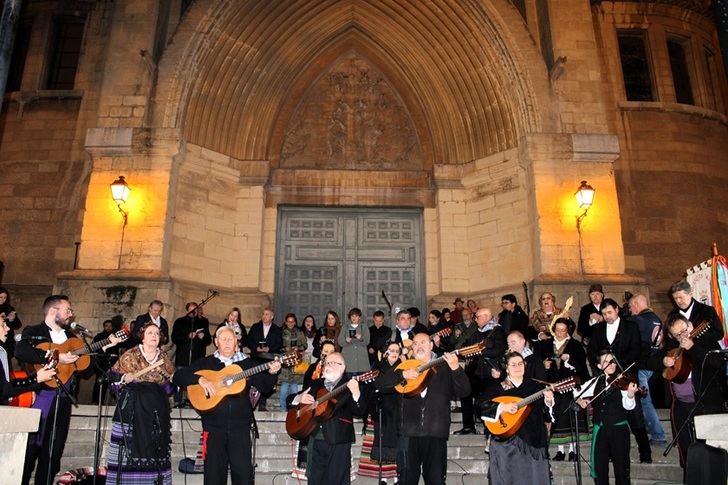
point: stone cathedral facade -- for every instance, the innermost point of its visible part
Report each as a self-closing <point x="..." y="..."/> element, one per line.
<point x="310" y="154"/>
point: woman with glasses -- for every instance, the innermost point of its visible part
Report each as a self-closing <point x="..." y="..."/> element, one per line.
<point x="522" y="458"/>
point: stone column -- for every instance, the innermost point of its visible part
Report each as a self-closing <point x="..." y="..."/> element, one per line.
<point x="15" y="424"/>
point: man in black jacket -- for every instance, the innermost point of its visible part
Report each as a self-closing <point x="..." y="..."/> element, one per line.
<point x="379" y="335"/>
<point x="265" y="337"/>
<point x="154" y="314"/>
<point x="591" y="313"/>
<point x="622" y="339"/>
<point x="191" y="336"/>
<point x="425" y="418"/>
<point x="227" y="427"/>
<point x="690" y="308"/>
<point x="329" y="446"/>
<point x="512" y="317"/>
<point x="53" y="329"/>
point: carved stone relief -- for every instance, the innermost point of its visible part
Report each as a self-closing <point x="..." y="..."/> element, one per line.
<point x="351" y="118"/>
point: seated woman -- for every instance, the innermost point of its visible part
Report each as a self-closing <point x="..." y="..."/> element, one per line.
<point x="140" y="430"/>
<point x="10" y="387"/>
<point x="522" y="458"/>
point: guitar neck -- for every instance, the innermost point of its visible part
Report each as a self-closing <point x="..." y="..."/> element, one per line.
<point x="528" y="400"/>
<point x="338" y="390"/>
<point x="251" y="372"/>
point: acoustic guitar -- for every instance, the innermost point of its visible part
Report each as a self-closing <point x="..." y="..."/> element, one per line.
<point x="26" y="399"/>
<point x="679" y="372"/>
<point x="76" y="346"/>
<point x="412" y="387"/>
<point x="228" y="381"/>
<point x="506" y="425"/>
<point x="302" y="420"/>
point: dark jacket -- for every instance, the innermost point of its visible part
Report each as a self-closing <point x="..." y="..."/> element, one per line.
<point x="495" y="348"/>
<point x="25" y="350"/>
<point x="582" y="325"/>
<point x="577" y="360"/>
<point x="235" y="411"/>
<point x="142" y="320"/>
<point x="701" y="313"/>
<point x="608" y="408"/>
<point x="339" y="428"/>
<point x="515" y="320"/>
<point x="14" y="387"/>
<point x="627" y="346"/>
<point x="378" y="340"/>
<point x="705" y="365"/>
<point x="646" y="322"/>
<point x="428" y="416"/>
<point x="274" y="340"/>
<point x="180" y="336"/>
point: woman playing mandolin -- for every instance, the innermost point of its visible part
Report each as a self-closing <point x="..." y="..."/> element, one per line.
<point x="523" y="457"/>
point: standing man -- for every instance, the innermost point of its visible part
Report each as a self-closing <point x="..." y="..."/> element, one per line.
<point x="622" y="339"/>
<point x="154" y="314"/>
<point x="404" y="332"/>
<point x="265" y="337"/>
<point x="379" y="335"/>
<point x="424" y="421"/>
<point x="690" y="308"/>
<point x="649" y="326"/>
<point x="329" y="446"/>
<point x="104" y="362"/>
<point x="54" y="330"/>
<point x="512" y="317"/>
<point x="480" y="370"/>
<point x="591" y="313"/>
<point x="227" y="427"/>
<point x="191" y="336"/>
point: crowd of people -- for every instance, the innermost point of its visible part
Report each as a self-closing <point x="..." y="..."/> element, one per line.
<point x="614" y="352"/>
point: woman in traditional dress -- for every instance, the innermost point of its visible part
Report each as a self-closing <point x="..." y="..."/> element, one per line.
<point x="522" y="458"/>
<point x="383" y="446"/>
<point x="567" y="360"/>
<point x="140" y="433"/>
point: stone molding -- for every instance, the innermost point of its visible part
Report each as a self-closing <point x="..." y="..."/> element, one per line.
<point x="594" y="147"/>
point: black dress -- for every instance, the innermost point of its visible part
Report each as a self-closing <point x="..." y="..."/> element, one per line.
<point x="522" y="458"/>
<point x="577" y="367"/>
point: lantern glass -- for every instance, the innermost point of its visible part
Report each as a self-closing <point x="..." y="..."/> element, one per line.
<point x="120" y="190"/>
<point x="585" y="195"/>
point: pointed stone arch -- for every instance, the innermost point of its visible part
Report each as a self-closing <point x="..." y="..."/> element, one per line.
<point x="474" y="86"/>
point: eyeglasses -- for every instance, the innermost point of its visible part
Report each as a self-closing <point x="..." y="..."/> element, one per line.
<point x="67" y="310"/>
<point x="330" y="363"/>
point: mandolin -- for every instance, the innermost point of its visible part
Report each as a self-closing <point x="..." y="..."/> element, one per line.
<point x="228" y="381"/>
<point x="76" y="346"/>
<point x="679" y="372"/>
<point x="302" y="420"/>
<point x="412" y="387"/>
<point x="506" y="425"/>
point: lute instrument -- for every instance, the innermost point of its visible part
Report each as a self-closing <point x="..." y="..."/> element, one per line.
<point x="139" y="373"/>
<point x="679" y="372"/>
<point x="506" y="425"/>
<point x="302" y="420"/>
<point x="78" y="347"/>
<point x="561" y="314"/>
<point x="228" y="381"/>
<point x="412" y="387"/>
<point x="407" y="343"/>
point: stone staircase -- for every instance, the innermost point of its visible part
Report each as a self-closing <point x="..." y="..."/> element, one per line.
<point x="467" y="463"/>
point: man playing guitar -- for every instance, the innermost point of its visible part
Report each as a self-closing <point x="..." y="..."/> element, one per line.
<point x="54" y="331"/>
<point x="226" y="436"/>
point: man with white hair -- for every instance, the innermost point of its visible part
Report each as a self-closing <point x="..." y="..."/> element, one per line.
<point x="227" y="442"/>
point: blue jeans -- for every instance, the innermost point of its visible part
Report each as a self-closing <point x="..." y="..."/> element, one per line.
<point x="652" y="421"/>
<point x="286" y="389"/>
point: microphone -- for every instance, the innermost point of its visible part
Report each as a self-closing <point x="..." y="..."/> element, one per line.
<point x="80" y="329"/>
<point x="19" y="337"/>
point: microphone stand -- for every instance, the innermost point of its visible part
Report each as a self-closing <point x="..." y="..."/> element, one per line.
<point x="573" y="410"/>
<point x="380" y="431"/>
<point x="255" y="435"/>
<point x="103" y="396"/>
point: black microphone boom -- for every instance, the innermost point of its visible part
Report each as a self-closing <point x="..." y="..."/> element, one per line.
<point x="80" y="328"/>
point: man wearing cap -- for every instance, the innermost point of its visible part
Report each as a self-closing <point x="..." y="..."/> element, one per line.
<point x="591" y="313"/>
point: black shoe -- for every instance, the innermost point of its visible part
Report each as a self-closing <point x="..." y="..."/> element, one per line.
<point x="572" y="456"/>
<point x="465" y="431"/>
<point x="262" y="407"/>
<point x="559" y="456"/>
<point x="646" y="459"/>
